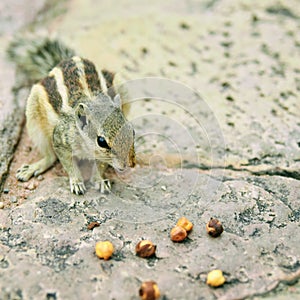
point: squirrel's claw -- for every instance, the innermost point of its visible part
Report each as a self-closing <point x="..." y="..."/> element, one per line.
<point x="103" y="185"/>
<point x="77" y="188"/>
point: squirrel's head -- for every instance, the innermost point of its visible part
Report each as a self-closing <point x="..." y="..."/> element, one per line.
<point x="107" y="135"/>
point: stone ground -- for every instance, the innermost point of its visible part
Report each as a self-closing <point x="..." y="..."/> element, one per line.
<point x="214" y="88"/>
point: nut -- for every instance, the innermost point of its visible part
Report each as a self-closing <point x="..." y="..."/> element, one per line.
<point x="92" y="225"/>
<point x="185" y="223"/>
<point x="145" y="248"/>
<point x="178" y="234"/>
<point x="214" y="227"/>
<point x="215" y="278"/>
<point x="149" y="291"/>
<point x="104" y="249"/>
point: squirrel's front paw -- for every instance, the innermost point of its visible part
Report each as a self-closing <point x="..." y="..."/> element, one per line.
<point x="103" y="185"/>
<point x="77" y="187"/>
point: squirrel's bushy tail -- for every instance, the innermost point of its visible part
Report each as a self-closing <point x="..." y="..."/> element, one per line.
<point x="36" y="57"/>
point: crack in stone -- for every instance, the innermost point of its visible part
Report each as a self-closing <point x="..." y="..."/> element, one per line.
<point x="277" y="171"/>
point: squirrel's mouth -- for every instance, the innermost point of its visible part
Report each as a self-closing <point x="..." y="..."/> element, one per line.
<point x="123" y="165"/>
<point x="119" y="167"/>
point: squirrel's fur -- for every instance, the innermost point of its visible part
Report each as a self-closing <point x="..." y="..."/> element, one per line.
<point x="74" y="111"/>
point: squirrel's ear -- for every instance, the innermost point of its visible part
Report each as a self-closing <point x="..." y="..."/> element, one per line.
<point x="117" y="101"/>
<point x="81" y="115"/>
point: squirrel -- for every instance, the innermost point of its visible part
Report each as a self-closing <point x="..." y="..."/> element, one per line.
<point x="75" y="111"/>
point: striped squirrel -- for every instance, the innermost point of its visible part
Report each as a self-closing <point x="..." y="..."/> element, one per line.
<point x="73" y="112"/>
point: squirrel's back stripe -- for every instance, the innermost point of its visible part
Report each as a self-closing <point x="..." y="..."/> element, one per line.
<point x="82" y="76"/>
<point x="54" y="97"/>
<point x="92" y="77"/>
<point x="61" y="87"/>
<point x="103" y="83"/>
<point x="75" y="79"/>
<point x="72" y="81"/>
<point x="109" y="78"/>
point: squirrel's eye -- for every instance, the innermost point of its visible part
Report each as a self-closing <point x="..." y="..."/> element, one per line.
<point x="102" y="142"/>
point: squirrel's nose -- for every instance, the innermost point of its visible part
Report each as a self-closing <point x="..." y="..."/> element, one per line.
<point x="120" y="166"/>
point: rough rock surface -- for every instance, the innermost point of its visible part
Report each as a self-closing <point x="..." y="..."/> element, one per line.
<point x="46" y="242"/>
<point x="231" y="153"/>
<point x="14" y="16"/>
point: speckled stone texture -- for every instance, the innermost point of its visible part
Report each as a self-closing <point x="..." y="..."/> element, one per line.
<point x="14" y="16"/>
<point x="220" y="137"/>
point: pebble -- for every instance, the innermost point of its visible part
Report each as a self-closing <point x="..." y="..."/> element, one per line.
<point x="1" y="205"/>
<point x="13" y="199"/>
<point x="163" y="187"/>
<point x="40" y="178"/>
<point x="24" y="196"/>
<point x="31" y="185"/>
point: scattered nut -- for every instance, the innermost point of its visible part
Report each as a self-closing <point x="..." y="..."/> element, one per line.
<point x="215" y="278"/>
<point x="92" y="225"/>
<point x="31" y="185"/>
<point x="214" y="227"/>
<point x="145" y="248"/>
<point x="13" y="199"/>
<point x="149" y="291"/>
<point x="185" y="223"/>
<point x="178" y="234"/>
<point x="104" y="249"/>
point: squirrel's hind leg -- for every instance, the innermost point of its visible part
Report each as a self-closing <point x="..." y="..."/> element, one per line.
<point x="40" y="123"/>
<point x="27" y="171"/>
